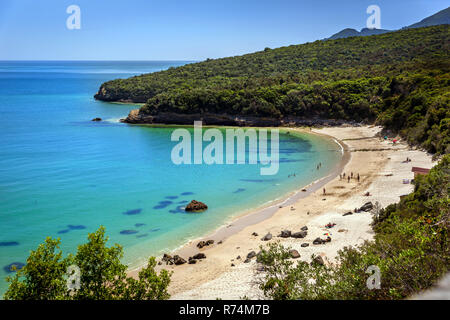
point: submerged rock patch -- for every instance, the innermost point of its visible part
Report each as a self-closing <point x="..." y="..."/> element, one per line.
<point x="76" y="227"/>
<point x="9" y="243"/>
<point x="178" y="209"/>
<point x="142" y="235"/>
<point x="163" y="204"/>
<point x="128" y="232"/>
<point x="13" y="267"/>
<point x="132" y="212"/>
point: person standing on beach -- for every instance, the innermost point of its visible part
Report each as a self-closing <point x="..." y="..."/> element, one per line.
<point x="348" y="179"/>
<point x="324" y="191"/>
<point x="358" y="177"/>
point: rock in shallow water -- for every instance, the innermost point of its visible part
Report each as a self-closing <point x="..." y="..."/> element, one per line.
<point x="196" y="206"/>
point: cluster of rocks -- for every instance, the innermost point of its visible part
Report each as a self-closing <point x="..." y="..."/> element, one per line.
<point x="169" y="260"/>
<point x="198" y="256"/>
<point x="177" y="260"/>
<point x="289" y="234"/>
<point x="196" y="206"/>
<point x="96" y="119"/>
<point x="202" y="243"/>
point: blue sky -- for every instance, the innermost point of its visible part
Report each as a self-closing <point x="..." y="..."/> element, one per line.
<point x="184" y="30"/>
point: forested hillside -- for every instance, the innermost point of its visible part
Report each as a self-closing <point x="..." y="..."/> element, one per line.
<point x="399" y="79"/>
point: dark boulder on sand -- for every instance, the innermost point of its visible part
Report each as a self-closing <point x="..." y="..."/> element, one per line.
<point x="285" y="234"/>
<point x="366" y="207"/>
<point x="294" y="254"/>
<point x="178" y="260"/>
<point x="267" y="237"/>
<point x="299" y="235"/>
<point x="196" y="206"/>
<point x="202" y="243"/>
<point x="317" y="241"/>
<point x="317" y="260"/>
<point x="199" y="256"/>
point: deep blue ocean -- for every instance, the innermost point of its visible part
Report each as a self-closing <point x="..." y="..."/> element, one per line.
<point x="62" y="175"/>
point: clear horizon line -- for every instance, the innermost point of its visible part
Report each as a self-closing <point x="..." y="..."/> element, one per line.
<point x="87" y="60"/>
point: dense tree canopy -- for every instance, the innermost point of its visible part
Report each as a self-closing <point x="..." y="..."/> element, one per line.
<point x="400" y="79"/>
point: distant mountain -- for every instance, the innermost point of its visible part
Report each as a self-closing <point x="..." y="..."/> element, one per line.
<point x="355" y="33"/>
<point x="442" y="17"/>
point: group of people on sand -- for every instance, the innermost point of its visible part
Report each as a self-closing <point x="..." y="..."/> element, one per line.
<point x="350" y="176"/>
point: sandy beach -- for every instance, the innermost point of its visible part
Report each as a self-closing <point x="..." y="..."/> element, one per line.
<point x="382" y="169"/>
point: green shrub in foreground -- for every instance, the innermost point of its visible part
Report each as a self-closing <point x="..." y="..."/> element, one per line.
<point x="102" y="275"/>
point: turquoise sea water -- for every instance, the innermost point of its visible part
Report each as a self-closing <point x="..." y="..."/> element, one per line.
<point x="62" y="175"/>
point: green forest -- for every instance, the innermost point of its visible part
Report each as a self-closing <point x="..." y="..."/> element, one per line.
<point x="399" y="80"/>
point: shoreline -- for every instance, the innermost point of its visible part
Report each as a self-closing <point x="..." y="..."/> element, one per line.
<point x="223" y="274"/>
<point x="252" y="216"/>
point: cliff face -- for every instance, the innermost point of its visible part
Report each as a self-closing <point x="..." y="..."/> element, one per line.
<point x="110" y="94"/>
<point x="138" y="117"/>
